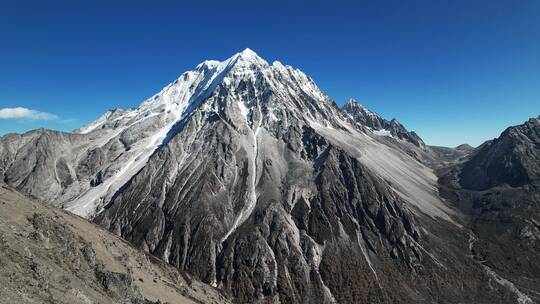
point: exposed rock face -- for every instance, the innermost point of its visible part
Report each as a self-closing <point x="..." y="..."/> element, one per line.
<point x="49" y="256"/>
<point x="36" y="163"/>
<point x="247" y="176"/>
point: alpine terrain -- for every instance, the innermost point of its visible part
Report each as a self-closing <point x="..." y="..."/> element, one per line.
<point x="50" y="256"/>
<point x="246" y="176"/>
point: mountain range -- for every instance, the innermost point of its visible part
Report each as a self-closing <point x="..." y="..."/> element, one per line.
<point x="248" y="177"/>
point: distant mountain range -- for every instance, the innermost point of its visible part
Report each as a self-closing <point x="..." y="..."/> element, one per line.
<point x="247" y="176"/>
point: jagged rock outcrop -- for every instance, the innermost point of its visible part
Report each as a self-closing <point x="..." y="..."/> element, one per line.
<point x="395" y="134"/>
<point x="381" y="126"/>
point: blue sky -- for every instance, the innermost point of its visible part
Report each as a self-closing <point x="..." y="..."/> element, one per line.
<point x="454" y="71"/>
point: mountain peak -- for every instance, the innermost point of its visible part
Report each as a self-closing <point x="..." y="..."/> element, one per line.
<point x="245" y="56"/>
<point x="249" y="53"/>
<point x="238" y="152"/>
<point x="365" y="117"/>
<point x="248" y="56"/>
<point x="354" y="104"/>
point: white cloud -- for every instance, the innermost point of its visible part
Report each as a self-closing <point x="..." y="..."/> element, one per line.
<point x="24" y="113"/>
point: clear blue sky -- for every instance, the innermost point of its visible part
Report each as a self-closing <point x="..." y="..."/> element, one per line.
<point x="454" y="71"/>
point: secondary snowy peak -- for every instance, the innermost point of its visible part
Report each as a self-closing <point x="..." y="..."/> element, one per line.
<point x="362" y="115"/>
<point x="379" y="125"/>
<point x="354" y="106"/>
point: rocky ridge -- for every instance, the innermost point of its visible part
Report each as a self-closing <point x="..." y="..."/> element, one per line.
<point x="50" y="256"/>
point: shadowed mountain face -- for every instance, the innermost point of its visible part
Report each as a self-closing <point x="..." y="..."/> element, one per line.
<point x="247" y="176"/>
<point x="512" y="159"/>
<point x="498" y="188"/>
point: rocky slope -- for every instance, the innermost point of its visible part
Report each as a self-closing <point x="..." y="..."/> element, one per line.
<point x="247" y="176"/>
<point x="50" y="256"/>
<point x="498" y="188"/>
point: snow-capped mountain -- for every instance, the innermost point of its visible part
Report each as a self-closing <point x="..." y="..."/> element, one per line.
<point x="249" y="177"/>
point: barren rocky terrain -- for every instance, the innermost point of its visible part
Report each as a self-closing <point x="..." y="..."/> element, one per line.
<point x="51" y="256"/>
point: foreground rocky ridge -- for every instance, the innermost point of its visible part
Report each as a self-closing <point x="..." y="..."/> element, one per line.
<point x="50" y="256"/>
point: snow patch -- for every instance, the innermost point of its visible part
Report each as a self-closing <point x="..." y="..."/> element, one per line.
<point x="382" y="132"/>
<point x="252" y="198"/>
